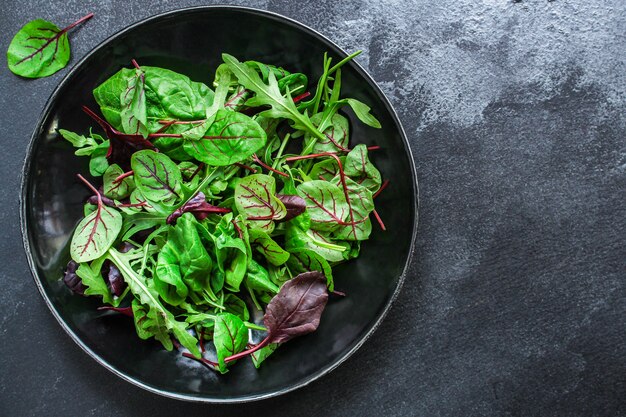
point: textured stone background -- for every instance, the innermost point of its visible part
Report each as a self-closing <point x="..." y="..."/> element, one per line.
<point x="516" y="301"/>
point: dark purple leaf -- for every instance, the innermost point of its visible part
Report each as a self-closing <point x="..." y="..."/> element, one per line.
<point x="297" y="308"/>
<point x="113" y="278"/>
<point x="72" y="280"/>
<point x="121" y="145"/>
<point x="198" y="206"/>
<point x="294" y="204"/>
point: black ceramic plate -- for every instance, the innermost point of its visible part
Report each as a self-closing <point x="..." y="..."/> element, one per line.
<point x="191" y="41"/>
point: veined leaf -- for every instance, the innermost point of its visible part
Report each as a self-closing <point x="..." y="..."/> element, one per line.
<point x="359" y="168"/>
<point x="359" y="225"/>
<point x="95" y="234"/>
<point x="306" y="260"/>
<point x="113" y="189"/>
<point x="262" y="354"/>
<point x="297" y="308"/>
<point x="133" y="114"/>
<point x="230" y="336"/>
<point x="255" y="198"/>
<point x="325" y="203"/>
<point x="265" y="245"/>
<point x="157" y="176"/>
<point x="40" y="48"/>
<point x="336" y="134"/>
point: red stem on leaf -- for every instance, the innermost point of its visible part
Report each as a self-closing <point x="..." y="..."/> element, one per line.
<point x="379" y="220"/>
<point x="249" y="168"/>
<point x="269" y="168"/>
<point x="181" y="122"/>
<point x="342" y="176"/>
<point x="78" y="22"/>
<point x="122" y="176"/>
<point x="93" y="189"/>
<point x="237" y="228"/>
<point x="135" y="64"/>
<point x="301" y="96"/>
<point x="127" y="311"/>
<point x="200" y="166"/>
<point x="247" y="352"/>
<point x="318" y="155"/>
<point x="382" y="187"/>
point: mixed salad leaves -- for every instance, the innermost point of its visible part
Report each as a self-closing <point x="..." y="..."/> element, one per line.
<point x="212" y="204"/>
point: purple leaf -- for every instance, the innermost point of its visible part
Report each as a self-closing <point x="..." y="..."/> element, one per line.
<point x="198" y="206"/>
<point x="72" y="280"/>
<point x="294" y="204"/>
<point x="297" y="308"/>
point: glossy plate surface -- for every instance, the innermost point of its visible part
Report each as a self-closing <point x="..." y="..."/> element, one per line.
<point x="191" y="41"/>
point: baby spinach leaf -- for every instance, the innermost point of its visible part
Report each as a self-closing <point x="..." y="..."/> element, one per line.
<point x="231" y="253"/>
<point x="236" y="306"/>
<point x="183" y="263"/>
<point x="230" y="336"/>
<point x="133" y="113"/>
<point x="325" y="203"/>
<point x="267" y="247"/>
<point x="40" y="48"/>
<point x="157" y="176"/>
<point x="297" y="308"/>
<point x="113" y="189"/>
<point x="169" y="95"/>
<point x="255" y="198"/>
<point x="359" y="168"/>
<point x="231" y="138"/>
<point x="257" y="278"/>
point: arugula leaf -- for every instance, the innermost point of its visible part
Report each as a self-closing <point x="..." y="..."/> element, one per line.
<point x="362" y="111"/>
<point x="144" y="290"/>
<point x="40" y="48"/>
<point x="269" y="94"/>
<point x="91" y="277"/>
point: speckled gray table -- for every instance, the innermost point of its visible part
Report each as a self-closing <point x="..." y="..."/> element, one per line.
<point x="516" y="301"/>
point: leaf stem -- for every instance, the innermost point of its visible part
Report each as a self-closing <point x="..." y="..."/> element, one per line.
<point x="203" y="361"/>
<point x="318" y="155"/>
<point x="382" y="187"/>
<point x="93" y="189"/>
<point x="281" y="150"/>
<point x="254" y="326"/>
<point x="250" y="351"/>
<point x="122" y="176"/>
<point x="269" y="168"/>
<point x="78" y="22"/>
